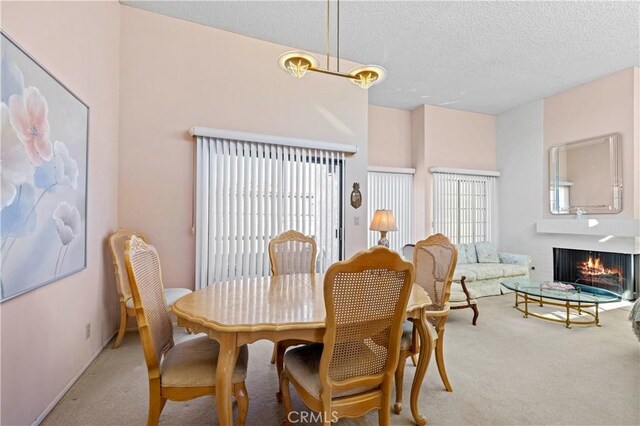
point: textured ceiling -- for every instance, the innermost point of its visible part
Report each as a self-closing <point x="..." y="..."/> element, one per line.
<point x="477" y="56"/>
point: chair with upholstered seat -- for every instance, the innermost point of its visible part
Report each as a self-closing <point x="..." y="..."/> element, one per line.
<point x="351" y="372"/>
<point x="290" y="253"/>
<point x="176" y="372"/>
<point x="117" y="244"/>
<point x="461" y="296"/>
<point x="434" y="260"/>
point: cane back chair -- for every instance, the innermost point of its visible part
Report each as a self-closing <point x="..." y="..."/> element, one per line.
<point x="351" y="372"/>
<point x="117" y="245"/>
<point x="290" y="253"/>
<point x="176" y="372"/>
<point x="435" y="261"/>
<point x="461" y="296"/>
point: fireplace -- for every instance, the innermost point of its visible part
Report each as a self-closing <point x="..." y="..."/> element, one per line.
<point x="610" y="271"/>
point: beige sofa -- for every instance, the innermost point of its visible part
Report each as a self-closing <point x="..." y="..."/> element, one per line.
<point x="484" y="268"/>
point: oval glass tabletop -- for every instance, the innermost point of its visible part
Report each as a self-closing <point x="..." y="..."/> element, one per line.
<point x="577" y="292"/>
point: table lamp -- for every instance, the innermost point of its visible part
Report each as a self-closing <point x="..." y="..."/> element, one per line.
<point x="384" y="222"/>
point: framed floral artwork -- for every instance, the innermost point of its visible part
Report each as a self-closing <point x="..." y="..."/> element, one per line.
<point x="43" y="175"/>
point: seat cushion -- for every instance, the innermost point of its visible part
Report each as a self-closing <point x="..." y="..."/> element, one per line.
<point x="514" y="270"/>
<point x="174" y="293"/>
<point x="193" y="363"/>
<point x="303" y="364"/>
<point x="487" y="271"/>
<point x="407" y="330"/>
<point x="171" y="294"/>
<point x="462" y="271"/>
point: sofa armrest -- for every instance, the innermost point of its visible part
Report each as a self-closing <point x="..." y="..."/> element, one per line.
<point x="515" y="259"/>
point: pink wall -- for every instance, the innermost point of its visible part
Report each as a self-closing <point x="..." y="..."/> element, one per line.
<point x="176" y="74"/>
<point x="419" y="161"/>
<point x="43" y="331"/>
<point x="430" y="136"/>
<point x="451" y="138"/>
<point x="636" y="144"/>
<point x="603" y="106"/>
<point x="389" y="137"/>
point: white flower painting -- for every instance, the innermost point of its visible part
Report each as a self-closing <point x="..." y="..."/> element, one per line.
<point x="43" y="175"/>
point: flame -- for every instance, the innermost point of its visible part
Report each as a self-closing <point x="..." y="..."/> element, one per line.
<point x="593" y="266"/>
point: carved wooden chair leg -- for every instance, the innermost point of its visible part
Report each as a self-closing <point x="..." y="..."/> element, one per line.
<point x="286" y="396"/>
<point x="475" y="313"/>
<point x="123" y="326"/>
<point x="326" y="409"/>
<point x="384" y="414"/>
<point x="156" y="402"/>
<point x="440" y="358"/>
<point x="397" y="407"/>
<point x="280" y="350"/>
<point x="240" y="391"/>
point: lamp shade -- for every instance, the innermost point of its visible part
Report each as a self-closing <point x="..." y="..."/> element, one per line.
<point x="383" y="220"/>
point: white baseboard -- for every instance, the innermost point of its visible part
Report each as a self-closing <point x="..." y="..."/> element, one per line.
<point x="73" y="380"/>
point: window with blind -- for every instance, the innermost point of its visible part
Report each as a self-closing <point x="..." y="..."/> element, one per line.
<point x="248" y="193"/>
<point x="464" y="205"/>
<point x="391" y="189"/>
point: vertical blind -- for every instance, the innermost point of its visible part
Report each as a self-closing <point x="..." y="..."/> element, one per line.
<point x="392" y="191"/>
<point x="247" y="193"/>
<point x="464" y="206"/>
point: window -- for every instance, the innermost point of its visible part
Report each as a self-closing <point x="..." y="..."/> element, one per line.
<point x="464" y="204"/>
<point x="392" y="189"/>
<point x="248" y="193"/>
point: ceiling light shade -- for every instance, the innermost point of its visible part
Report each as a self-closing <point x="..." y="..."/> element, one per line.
<point x="297" y="63"/>
<point x="367" y="76"/>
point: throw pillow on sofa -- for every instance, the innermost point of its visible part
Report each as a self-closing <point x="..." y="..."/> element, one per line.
<point x="487" y="252"/>
<point x="462" y="255"/>
<point x="470" y="252"/>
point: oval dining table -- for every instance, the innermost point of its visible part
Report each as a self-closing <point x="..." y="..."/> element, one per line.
<point x="276" y="308"/>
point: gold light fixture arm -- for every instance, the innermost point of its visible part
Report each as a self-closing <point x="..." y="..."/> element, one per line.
<point x="298" y="63"/>
<point x="328" y="31"/>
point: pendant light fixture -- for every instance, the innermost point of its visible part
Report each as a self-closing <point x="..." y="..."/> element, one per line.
<point x="298" y="63"/>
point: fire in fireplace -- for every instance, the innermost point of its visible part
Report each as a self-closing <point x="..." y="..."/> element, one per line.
<point x="610" y="271"/>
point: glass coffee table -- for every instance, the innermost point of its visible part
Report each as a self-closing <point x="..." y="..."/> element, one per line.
<point x="576" y="298"/>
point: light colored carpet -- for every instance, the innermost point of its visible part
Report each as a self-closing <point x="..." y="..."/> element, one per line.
<point x="505" y="371"/>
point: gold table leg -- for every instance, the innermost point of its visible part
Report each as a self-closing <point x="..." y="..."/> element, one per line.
<point x="526" y="306"/>
<point x="568" y="319"/>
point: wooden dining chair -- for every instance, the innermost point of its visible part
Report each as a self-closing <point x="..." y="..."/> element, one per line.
<point x="117" y="245"/>
<point x="290" y="253"/>
<point x="435" y="261"/>
<point x="176" y="372"/>
<point x="461" y="296"/>
<point x="351" y="372"/>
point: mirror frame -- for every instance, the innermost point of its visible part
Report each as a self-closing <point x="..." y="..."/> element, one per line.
<point x="615" y="176"/>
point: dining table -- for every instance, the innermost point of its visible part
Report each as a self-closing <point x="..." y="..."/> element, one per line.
<point x="276" y="308"/>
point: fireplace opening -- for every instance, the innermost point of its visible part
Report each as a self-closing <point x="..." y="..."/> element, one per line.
<point x="609" y="271"/>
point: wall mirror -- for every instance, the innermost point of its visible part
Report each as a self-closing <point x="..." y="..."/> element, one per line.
<point x="585" y="177"/>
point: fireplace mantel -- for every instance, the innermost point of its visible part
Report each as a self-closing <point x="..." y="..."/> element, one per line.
<point x="602" y="227"/>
